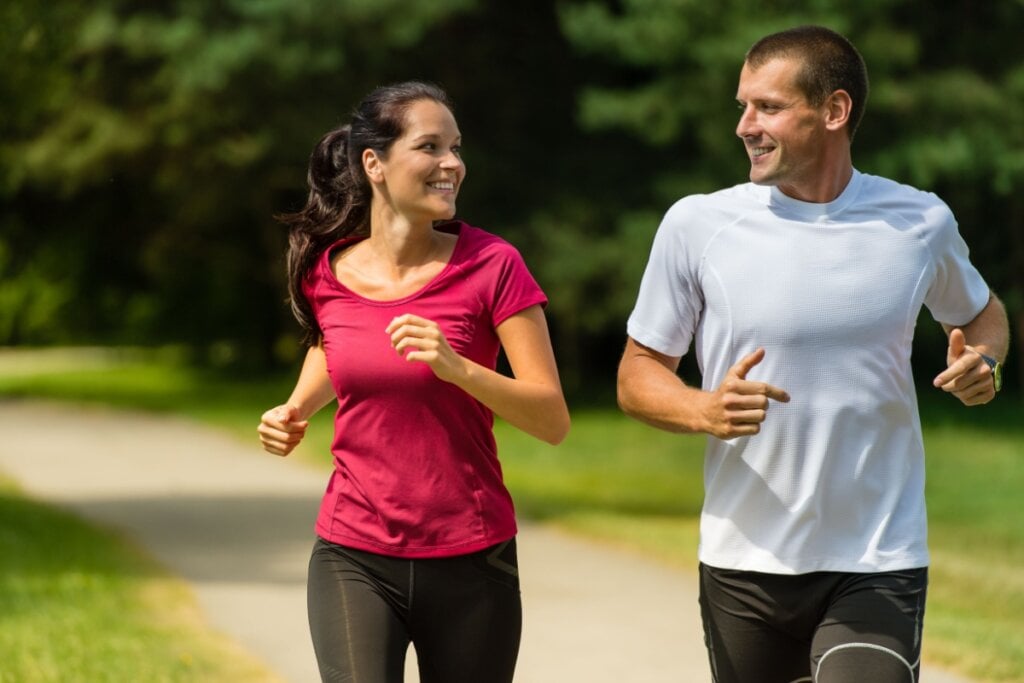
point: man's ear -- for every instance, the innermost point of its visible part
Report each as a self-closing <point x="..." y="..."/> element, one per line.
<point x="838" y="106"/>
<point x="372" y="166"/>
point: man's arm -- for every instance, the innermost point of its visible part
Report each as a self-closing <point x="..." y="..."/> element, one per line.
<point x="650" y="391"/>
<point x="967" y="376"/>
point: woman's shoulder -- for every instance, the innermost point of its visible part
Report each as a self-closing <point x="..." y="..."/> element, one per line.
<point x="321" y="268"/>
<point x="477" y="242"/>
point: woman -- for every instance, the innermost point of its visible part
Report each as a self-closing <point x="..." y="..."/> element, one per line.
<point x="405" y="311"/>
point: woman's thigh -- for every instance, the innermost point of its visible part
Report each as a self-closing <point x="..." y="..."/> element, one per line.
<point x="356" y="615"/>
<point x="467" y="617"/>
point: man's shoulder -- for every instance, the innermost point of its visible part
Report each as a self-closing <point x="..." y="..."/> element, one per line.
<point x="746" y="193"/>
<point x="733" y="200"/>
<point x="903" y="206"/>
<point x="889" y="191"/>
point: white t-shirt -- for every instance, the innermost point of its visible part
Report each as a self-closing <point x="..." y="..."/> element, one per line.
<point x="835" y="479"/>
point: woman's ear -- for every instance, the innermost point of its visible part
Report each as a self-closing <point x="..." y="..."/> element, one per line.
<point x="372" y="166"/>
<point x="837" y="109"/>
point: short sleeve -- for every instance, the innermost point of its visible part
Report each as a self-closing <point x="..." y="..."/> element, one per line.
<point x="958" y="292"/>
<point x="669" y="303"/>
<point x="515" y="288"/>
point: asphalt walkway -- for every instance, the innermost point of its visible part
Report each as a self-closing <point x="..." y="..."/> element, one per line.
<point x="237" y="524"/>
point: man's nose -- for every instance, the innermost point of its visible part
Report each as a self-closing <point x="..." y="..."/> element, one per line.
<point x="747" y="125"/>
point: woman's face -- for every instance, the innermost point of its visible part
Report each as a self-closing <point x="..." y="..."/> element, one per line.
<point x="421" y="173"/>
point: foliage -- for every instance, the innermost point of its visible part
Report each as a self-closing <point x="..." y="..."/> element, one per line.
<point x="152" y="146"/>
<point x="145" y="147"/>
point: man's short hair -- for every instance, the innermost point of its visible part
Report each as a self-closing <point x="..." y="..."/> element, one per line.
<point x="830" y="63"/>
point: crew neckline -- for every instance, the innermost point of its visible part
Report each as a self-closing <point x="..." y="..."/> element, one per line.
<point x="813" y="211"/>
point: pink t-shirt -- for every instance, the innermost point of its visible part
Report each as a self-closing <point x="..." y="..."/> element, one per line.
<point x="416" y="470"/>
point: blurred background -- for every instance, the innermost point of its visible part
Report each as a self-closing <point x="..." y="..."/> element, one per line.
<point x="145" y="147"/>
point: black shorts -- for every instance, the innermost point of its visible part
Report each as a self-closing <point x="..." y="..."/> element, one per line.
<point x="462" y="614"/>
<point x="823" y="627"/>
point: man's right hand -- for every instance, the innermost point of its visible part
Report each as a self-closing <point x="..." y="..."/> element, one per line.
<point x="739" y="406"/>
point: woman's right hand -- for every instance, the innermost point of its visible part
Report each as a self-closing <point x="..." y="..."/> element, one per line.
<point x="280" y="429"/>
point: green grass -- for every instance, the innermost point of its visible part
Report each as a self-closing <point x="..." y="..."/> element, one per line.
<point x="79" y="604"/>
<point x="633" y="486"/>
<point x="141" y="380"/>
<point x="976" y="519"/>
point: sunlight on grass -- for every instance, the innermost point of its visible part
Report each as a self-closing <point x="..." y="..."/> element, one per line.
<point x="607" y="463"/>
<point x="79" y="604"/>
<point x="974" y="612"/>
<point x="670" y="540"/>
<point x="975" y="616"/>
<point x="138" y="380"/>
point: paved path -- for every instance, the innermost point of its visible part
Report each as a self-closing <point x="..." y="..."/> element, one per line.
<point x="237" y="524"/>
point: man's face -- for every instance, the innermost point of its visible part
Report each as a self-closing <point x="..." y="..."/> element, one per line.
<point x="782" y="132"/>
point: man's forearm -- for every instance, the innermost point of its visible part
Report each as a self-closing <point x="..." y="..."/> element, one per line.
<point x="989" y="332"/>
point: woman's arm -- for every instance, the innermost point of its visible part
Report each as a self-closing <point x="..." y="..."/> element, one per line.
<point x="282" y="427"/>
<point x="530" y="400"/>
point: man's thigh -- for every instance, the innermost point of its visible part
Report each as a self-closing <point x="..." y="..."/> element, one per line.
<point x="872" y="629"/>
<point x="749" y="639"/>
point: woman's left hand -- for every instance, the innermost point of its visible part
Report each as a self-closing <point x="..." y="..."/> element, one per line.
<point x="419" y="339"/>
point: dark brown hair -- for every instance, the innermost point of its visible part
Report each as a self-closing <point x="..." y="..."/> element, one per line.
<point x="830" y="63"/>
<point x="339" y="193"/>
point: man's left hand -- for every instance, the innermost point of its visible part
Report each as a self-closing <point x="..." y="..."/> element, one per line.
<point x="968" y="376"/>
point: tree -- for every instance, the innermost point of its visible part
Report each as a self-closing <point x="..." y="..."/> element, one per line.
<point x="157" y="142"/>
<point x="153" y="143"/>
<point x="145" y="147"/>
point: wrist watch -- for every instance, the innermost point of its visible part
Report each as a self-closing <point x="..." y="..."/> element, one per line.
<point x="997" y="370"/>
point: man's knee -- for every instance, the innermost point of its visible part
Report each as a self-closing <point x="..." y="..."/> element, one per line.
<point x="858" y="662"/>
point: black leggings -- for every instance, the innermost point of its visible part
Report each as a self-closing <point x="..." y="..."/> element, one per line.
<point x="463" y="615"/>
<point x="824" y="627"/>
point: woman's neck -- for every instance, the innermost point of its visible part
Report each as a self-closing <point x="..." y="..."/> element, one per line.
<point x="398" y="247"/>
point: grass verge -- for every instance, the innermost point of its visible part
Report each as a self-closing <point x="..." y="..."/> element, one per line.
<point x="79" y="604"/>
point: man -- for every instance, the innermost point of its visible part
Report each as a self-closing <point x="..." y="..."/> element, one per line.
<point x="800" y="291"/>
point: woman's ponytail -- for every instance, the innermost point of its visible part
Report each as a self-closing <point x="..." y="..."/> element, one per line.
<point x="335" y="208"/>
